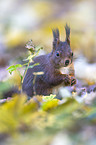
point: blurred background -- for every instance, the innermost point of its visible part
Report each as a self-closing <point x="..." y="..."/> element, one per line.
<point x="22" y="20"/>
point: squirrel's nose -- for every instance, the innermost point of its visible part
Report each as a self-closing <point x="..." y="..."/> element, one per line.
<point x="66" y="62"/>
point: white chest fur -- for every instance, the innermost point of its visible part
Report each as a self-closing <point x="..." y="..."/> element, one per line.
<point x="64" y="70"/>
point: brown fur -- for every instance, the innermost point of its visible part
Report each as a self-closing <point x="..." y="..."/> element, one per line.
<point x="50" y="64"/>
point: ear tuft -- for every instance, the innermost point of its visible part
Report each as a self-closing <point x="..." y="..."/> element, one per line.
<point x="67" y="29"/>
<point x="56" y="34"/>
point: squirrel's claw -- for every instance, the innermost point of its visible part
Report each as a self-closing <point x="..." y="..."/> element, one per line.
<point x="73" y="81"/>
<point x="67" y="80"/>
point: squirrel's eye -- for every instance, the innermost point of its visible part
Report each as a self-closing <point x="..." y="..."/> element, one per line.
<point x="57" y="54"/>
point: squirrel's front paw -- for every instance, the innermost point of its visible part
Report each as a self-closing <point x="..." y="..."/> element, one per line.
<point x="73" y="81"/>
<point x="67" y="80"/>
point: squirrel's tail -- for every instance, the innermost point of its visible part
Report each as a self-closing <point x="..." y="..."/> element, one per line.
<point x="11" y="92"/>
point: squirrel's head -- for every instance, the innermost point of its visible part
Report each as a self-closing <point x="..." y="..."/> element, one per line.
<point x="62" y="55"/>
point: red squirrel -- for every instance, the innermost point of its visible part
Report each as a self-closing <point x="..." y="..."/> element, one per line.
<point x="50" y="64"/>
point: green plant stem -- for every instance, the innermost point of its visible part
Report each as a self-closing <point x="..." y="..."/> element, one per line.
<point x="25" y="71"/>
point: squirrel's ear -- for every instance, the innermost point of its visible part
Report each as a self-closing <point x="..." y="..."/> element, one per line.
<point x="56" y="35"/>
<point x="67" y="29"/>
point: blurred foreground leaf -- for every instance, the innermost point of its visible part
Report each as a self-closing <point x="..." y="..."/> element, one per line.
<point x="41" y="121"/>
<point x="12" y="113"/>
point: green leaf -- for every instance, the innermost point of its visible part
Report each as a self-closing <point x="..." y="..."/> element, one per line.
<point x="13" y="68"/>
<point x="31" y="66"/>
<point x="18" y="65"/>
<point x="38" y="48"/>
<point x="29" y="57"/>
<point x="50" y="102"/>
<point x="48" y="98"/>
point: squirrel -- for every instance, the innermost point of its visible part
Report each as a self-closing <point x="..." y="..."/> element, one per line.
<point x="50" y="64"/>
